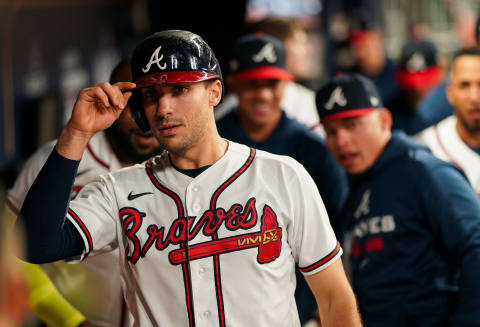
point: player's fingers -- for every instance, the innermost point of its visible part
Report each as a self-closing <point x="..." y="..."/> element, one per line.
<point x="114" y="94"/>
<point x="125" y="86"/>
<point x="96" y="95"/>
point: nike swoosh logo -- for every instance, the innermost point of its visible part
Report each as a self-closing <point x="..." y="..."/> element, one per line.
<point x="134" y="196"/>
<point x="83" y="172"/>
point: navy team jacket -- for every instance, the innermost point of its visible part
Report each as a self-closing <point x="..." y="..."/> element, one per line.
<point x="415" y="223"/>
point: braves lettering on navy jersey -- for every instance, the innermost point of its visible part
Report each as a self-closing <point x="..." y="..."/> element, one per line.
<point x="398" y="231"/>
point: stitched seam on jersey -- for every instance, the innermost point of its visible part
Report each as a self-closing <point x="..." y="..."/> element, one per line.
<point x="322" y="261"/>
<point x="216" y="258"/>
<point x="83" y="228"/>
<point x="97" y="159"/>
<point x="186" y="266"/>
<point x="164" y="189"/>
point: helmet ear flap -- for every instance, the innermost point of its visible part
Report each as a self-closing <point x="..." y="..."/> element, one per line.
<point x="136" y="109"/>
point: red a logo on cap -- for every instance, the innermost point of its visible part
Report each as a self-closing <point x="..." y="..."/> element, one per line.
<point x="337" y="97"/>
<point x="266" y="53"/>
<point x="154" y="59"/>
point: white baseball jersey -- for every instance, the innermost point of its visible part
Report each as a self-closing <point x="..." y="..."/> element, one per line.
<point x="219" y="249"/>
<point x="92" y="287"/>
<point x="445" y="143"/>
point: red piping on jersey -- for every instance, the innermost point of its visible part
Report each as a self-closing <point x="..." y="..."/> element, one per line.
<point x="216" y="258"/>
<point x="163" y="189"/>
<point x="12" y="207"/>
<point x="322" y="261"/>
<point x="229" y="181"/>
<point x="188" y="292"/>
<point x="97" y="159"/>
<point x="186" y="266"/>
<point x="84" y="229"/>
<point x="437" y="135"/>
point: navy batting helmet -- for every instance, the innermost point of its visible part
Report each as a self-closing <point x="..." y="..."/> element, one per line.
<point x="172" y="56"/>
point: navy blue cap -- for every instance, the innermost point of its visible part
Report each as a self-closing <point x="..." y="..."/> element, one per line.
<point x="259" y="56"/>
<point x="347" y="95"/>
<point x="418" y="66"/>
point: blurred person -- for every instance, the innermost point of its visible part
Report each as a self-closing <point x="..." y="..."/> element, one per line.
<point x="367" y="46"/>
<point x="417" y="73"/>
<point x="457" y="138"/>
<point x="468" y="34"/>
<point x="13" y="288"/>
<point x="258" y="121"/>
<point x="89" y="292"/>
<point x="414" y="219"/>
<point x="195" y="249"/>
<point x="298" y="101"/>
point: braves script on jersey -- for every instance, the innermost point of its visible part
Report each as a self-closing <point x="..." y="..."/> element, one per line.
<point x="92" y="287"/>
<point x="219" y="249"/>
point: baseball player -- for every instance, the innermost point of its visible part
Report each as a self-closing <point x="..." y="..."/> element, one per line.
<point x="457" y="138"/>
<point x="259" y="79"/>
<point x="210" y="231"/>
<point x="415" y="220"/>
<point x="298" y="101"/>
<point x="92" y="289"/>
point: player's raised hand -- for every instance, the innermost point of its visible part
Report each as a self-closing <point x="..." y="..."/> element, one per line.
<point x="97" y="107"/>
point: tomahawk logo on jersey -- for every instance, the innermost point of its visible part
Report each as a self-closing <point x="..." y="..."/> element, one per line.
<point x="211" y="244"/>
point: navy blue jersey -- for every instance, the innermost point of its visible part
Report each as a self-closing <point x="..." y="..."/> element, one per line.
<point x="416" y="240"/>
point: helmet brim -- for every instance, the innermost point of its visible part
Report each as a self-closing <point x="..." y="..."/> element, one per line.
<point x="173" y="77"/>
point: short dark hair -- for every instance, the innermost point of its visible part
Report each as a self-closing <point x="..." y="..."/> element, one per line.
<point x="470" y="51"/>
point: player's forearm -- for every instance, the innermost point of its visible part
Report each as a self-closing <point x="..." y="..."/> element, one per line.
<point x="72" y="142"/>
<point x="48" y="235"/>
<point x="342" y="311"/>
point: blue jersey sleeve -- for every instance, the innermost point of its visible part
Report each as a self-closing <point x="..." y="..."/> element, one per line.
<point x="453" y="210"/>
<point x="49" y="236"/>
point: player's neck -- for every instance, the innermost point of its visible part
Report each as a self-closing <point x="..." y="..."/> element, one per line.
<point x="206" y="152"/>
<point x="259" y="132"/>
<point x="470" y="138"/>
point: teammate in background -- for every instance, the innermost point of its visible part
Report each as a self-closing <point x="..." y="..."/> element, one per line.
<point x="417" y="73"/>
<point x="259" y="80"/>
<point x="297" y="101"/>
<point x="209" y="229"/>
<point x="367" y="46"/>
<point x="414" y="219"/>
<point x="457" y="138"/>
<point x="467" y="30"/>
<point x="90" y="291"/>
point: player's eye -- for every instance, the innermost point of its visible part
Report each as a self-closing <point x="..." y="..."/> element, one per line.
<point x="148" y="95"/>
<point x="350" y="123"/>
<point x="179" y="89"/>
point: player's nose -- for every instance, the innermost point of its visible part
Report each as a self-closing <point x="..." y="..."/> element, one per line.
<point x="165" y="106"/>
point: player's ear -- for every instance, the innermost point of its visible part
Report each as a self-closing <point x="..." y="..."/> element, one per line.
<point x="215" y="92"/>
<point x="385" y="119"/>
